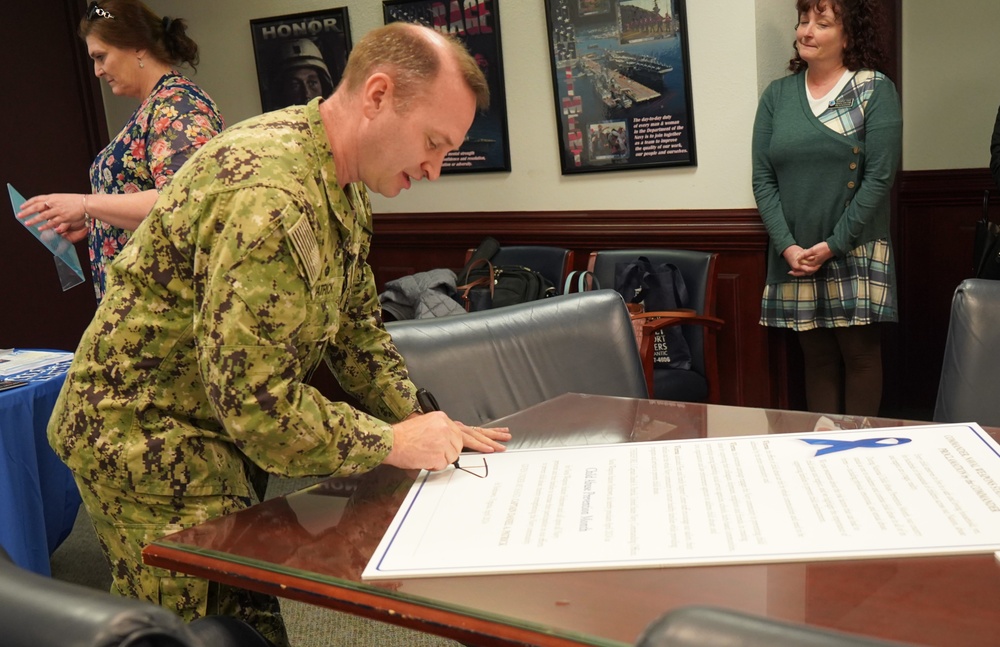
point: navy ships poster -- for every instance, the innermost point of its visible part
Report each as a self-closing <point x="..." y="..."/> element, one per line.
<point x="621" y="75"/>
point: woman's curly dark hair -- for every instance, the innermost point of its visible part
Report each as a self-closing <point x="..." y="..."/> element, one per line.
<point x="864" y="23"/>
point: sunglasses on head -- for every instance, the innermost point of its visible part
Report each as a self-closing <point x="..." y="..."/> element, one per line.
<point x="93" y="11"/>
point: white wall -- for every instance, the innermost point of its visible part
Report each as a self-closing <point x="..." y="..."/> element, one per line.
<point x="775" y="34"/>
<point x="724" y="91"/>
<point x="951" y="83"/>
<point x="951" y="93"/>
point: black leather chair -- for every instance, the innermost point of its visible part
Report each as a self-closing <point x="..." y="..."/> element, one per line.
<point x="37" y="611"/>
<point x="554" y="263"/>
<point x="701" y="382"/>
<point x="699" y="626"/>
<point x="488" y="364"/>
<point x="967" y="391"/>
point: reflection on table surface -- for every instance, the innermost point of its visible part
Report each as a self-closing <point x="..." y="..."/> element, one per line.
<point x="313" y="545"/>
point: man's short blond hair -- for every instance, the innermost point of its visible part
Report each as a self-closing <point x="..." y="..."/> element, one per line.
<point x="404" y="52"/>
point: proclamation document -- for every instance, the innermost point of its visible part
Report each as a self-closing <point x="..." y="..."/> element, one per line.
<point x="901" y="491"/>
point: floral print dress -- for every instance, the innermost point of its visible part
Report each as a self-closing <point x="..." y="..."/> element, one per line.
<point x="170" y="124"/>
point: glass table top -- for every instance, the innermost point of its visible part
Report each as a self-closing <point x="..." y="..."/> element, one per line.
<point x="313" y="545"/>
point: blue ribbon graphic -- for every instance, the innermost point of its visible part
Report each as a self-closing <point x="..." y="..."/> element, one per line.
<point x="830" y="445"/>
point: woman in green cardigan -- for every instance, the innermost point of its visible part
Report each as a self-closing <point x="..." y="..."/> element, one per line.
<point x="826" y="146"/>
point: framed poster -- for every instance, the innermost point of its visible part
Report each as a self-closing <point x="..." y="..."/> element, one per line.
<point x="622" y="81"/>
<point x="300" y="56"/>
<point x="477" y="24"/>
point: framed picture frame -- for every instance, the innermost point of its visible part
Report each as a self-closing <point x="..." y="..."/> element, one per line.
<point x="622" y="82"/>
<point x="300" y="56"/>
<point x="477" y="24"/>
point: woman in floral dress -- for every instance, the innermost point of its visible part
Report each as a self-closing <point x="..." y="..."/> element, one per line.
<point x="135" y="52"/>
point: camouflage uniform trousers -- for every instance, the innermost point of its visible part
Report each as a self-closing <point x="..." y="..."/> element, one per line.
<point x="126" y="522"/>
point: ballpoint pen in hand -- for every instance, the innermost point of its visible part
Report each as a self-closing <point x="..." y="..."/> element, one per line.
<point x="429" y="403"/>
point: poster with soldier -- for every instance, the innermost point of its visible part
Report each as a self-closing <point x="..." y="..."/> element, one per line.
<point x="477" y="24"/>
<point x="300" y="56"/>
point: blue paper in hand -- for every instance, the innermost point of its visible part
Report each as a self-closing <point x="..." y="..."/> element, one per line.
<point x="67" y="261"/>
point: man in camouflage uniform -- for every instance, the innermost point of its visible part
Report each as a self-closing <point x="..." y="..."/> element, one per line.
<point x="249" y="270"/>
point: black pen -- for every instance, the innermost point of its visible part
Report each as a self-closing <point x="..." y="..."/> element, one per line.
<point x="429" y="403"/>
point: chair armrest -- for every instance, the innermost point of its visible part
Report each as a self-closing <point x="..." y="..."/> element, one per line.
<point x="663" y="319"/>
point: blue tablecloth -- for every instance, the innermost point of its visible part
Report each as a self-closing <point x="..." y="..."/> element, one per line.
<point x="38" y="497"/>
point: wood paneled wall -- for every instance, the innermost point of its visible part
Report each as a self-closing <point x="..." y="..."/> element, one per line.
<point x="932" y="237"/>
<point x="752" y="363"/>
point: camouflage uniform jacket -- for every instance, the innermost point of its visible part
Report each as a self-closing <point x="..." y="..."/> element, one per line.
<point x="249" y="270"/>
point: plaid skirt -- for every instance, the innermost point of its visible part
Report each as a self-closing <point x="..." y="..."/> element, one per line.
<point x="855" y="290"/>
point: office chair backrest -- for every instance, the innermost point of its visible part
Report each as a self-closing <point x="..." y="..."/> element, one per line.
<point x="36" y="610"/>
<point x="699" y="626"/>
<point x="40" y="611"/>
<point x="554" y="263"/>
<point x="488" y="364"/>
<point x="698" y="270"/>
<point x="970" y="372"/>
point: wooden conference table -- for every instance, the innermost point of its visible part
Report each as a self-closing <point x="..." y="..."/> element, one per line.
<point x="313" y="545"/>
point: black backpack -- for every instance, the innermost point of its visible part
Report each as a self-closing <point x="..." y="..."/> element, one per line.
<point x="483" y="285"/>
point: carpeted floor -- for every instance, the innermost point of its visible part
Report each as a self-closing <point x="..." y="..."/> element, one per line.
<point x="79" y="560"/>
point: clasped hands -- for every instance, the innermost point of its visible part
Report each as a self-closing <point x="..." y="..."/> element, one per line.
<point x="433" y="441"/>
<point x="61" y="212"/>
<point x="805" y="262"/>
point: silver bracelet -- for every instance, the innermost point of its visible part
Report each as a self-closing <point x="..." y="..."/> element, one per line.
<point x="86" y="216"/>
